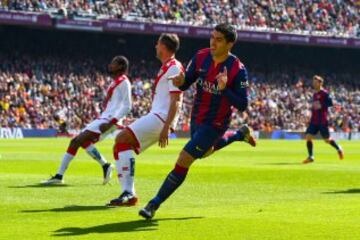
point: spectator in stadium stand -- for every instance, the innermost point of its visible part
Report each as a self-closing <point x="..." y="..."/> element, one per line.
<point x="339" y="18"/>
<point x="273" y="105"/>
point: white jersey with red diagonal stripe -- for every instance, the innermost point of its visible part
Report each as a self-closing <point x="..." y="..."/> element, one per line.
<point x="146" y="130"/>
<point x="117" y="103"/>
<point x="163" y="87"/>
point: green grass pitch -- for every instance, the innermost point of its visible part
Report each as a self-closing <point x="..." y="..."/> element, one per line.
<point x="238" y="193"/>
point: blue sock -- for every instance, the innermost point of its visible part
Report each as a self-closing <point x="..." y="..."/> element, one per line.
<point x="223" y="142"/>
<point x="175" y="178"/>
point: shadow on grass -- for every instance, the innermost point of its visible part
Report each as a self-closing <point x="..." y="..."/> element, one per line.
<point x="282" y="163"/>
<point x="73" y="208"/>
<point x="348" y="191"/>
<point x="131" y="226"/>
<point x="39" y="185"/>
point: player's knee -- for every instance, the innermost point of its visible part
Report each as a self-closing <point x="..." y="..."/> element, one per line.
<point x="126" y="138"/>
<point x="86" y="144"/>
<point x="185" y="159"/>
<point x="75" y="142"/>
<point x="122" y="137"/>
<point x="116" y="152"/>
<point x="121" y="147"/>
<point x="327" y="140"/>
<point x="308" y="137"/>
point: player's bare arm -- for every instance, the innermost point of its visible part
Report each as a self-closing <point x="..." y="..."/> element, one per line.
<point x="178" y="80"/>
<point x="174" y="107"/>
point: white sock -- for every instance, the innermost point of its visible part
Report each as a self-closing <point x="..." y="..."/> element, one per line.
<point x="95" y="154"/>
<point x="65" y="163"/>
<point x="125" y="167"/>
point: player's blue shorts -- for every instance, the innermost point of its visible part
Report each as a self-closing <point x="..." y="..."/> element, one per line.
<point x="322" y="128"/>
<point x="203" y="137"/>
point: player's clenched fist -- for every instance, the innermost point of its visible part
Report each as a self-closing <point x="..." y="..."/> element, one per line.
<point x="178" y="80"/>
<point x="222" y="79"/>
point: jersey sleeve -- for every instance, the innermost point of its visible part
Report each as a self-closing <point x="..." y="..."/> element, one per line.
<point x="238" y="95"/>
<point x="328" y="101"/>
<point x="190" y="74"/>
<point x="122" y="97"/>
<point x="173" y="71"/>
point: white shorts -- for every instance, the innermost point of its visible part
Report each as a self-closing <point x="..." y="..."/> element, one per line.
<point x="146" y="130"/>
<point x="94" y="127"/>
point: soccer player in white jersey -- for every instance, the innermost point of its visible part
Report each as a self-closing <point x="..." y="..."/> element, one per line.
<point x="153" y="127"/>
<point x="117" y="105"/>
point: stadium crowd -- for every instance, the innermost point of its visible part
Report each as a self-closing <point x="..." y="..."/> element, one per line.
<point x="63" y="94"/>
<point x="323" y="17"/>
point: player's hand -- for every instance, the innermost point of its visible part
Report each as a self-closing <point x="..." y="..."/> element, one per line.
<point x="178" y="80"/>
<point x="222" y="79"/>
<point x="317" y="105"/>
<point x="164" y="137"/>
<point x="105" y="126"/>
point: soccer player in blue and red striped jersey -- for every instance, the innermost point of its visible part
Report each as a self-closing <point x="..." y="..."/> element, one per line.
<point x="221" y="82"/>
<point x="319" y="123"/>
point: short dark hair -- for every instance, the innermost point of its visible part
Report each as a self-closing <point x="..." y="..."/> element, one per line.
<point x="123" y="63"/>
<point x="228" y="31"/>
<point x="318" y="78"/>
<point x="171" y="41"/>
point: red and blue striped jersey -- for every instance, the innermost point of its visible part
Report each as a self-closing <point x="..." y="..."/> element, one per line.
<point x="212" y="106"/>
<point x="320" y="103"/>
